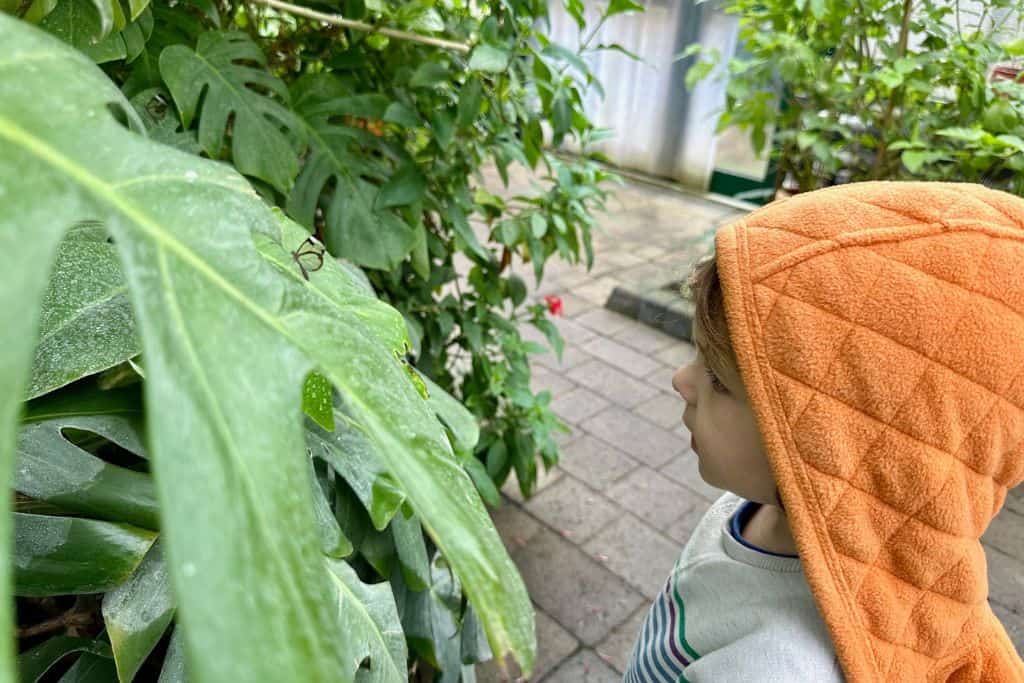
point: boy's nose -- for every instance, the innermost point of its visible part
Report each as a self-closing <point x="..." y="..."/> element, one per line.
<point x="683" y="385"/>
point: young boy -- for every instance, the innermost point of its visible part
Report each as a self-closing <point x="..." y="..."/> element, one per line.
<point x="859" y="392"/>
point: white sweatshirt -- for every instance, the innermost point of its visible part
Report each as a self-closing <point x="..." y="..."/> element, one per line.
<point x="731" y="612"/>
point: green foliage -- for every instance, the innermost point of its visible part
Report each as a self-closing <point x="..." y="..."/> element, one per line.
<point x="882" y="89"/>
<point x="176" y="287"/>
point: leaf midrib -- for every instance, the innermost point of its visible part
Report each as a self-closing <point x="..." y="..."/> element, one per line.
<point x="218" y="421"/>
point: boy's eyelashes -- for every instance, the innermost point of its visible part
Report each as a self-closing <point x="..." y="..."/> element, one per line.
<point x="716" y="384"/>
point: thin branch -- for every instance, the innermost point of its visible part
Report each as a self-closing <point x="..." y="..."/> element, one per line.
<point x="79" y="614"/>
<point x="361" y="26"/>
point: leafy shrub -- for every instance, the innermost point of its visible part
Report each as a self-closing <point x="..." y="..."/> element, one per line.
<point x="881" y="89"/>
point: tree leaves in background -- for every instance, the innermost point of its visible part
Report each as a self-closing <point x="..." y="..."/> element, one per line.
<point x="213" y="73"/>
<point x="489" y="59"/>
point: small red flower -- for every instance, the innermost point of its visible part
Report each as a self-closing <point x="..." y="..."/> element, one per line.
<point x="554" y="305"/>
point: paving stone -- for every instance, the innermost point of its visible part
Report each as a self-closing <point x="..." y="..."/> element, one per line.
<point x="515" y="527"/>
<point x="612" y="383"/>
<point x="650" y="253"/>
<point x="681" y="529"/>
<point x="618" y="646"/>
<point x="649" y="274"/>
<point x="661" y="378"/>
<point x="554" y="645"/>
<point x="684" y="469"/>
<point x="563" y="439"/>
<point x="596" y="462"/>
<point x="584" y="667"/>
<point x="1005" y="579"/>
<point x="636" y="437"/>
<point x="624" y="257"/>
<point x="580" y="594"/>
<point x="644" y="338"/>
<point x="622" y="543"/>
<point x="1006" y="532"/>
<point x="577" y="405"/>
<point x="573" y="306"/>
<point x="1014" y="625"/>
<point x="604" y="321"/>
<point x="677" y="355"/>
<point x="651" y="496"/>
<point x="572" y="509"/>
<point x="545" y="379"/>
<point x="621" y="356"/>
<point x="664" y="410"/>
<point x="572" y="356"/>
<point x="566" y="282"/>
<point x="545" y="478"/>
<point x="598" y="290"/>
<point x="573" y="332"/>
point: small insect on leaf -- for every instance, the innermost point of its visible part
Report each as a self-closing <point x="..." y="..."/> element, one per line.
<point x="309" y="256"/>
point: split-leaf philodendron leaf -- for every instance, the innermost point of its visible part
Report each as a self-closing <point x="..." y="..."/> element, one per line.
<point x="228" y="335"/>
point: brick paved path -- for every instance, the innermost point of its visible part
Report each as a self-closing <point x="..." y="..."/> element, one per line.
<point x="598" y="539"/>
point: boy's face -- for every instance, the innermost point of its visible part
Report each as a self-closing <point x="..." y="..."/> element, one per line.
<point x="725" y="435"/>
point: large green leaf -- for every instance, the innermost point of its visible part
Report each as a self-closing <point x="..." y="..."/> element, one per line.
<point x="71" y="555"/>
<point x="137" y="613"/>
<point x="373" y="632"/>
<point x="86" y="323"/>
<point x="359" y="226"/>
<point x="214" y="75"/>
<point x="228" y="342"/>
<point x="238" y="519"/>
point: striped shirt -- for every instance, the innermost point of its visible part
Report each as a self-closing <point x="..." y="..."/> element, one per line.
<point x="733" y="612"/>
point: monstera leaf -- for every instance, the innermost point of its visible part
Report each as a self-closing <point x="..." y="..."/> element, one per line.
<point x="358" y="227"/>
<point x="212" y="74"/>
<point x="229" y="334"/>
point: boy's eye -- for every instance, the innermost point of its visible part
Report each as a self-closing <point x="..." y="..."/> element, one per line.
<point x="716" y="384"/>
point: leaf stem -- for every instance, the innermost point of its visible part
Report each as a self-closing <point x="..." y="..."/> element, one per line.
<point x="361" y="26"/>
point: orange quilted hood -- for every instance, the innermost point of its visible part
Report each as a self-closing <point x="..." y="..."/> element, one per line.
<point x="879" y="330"/>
